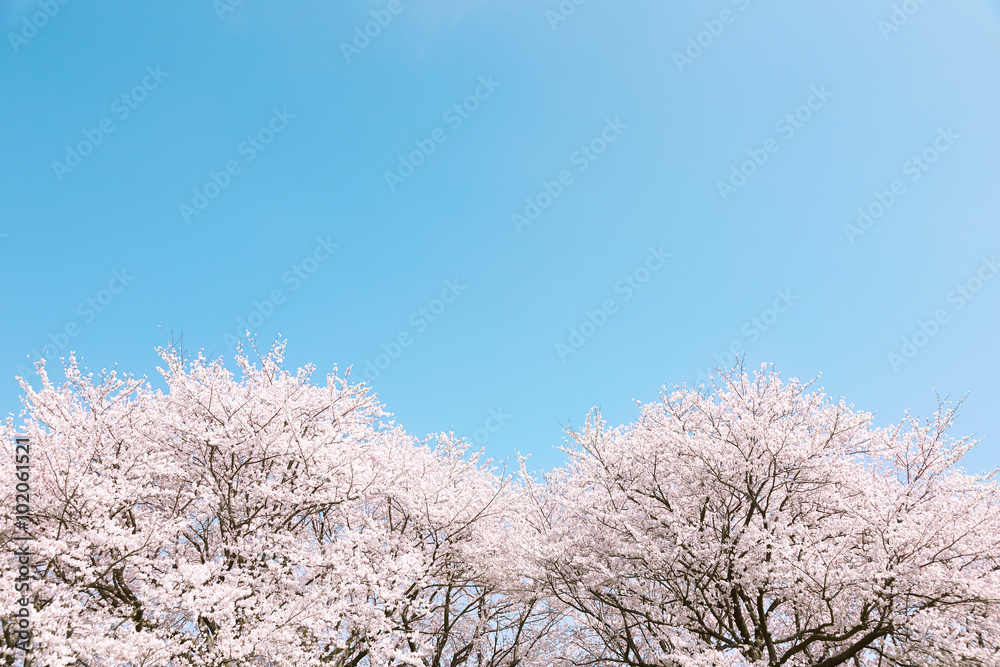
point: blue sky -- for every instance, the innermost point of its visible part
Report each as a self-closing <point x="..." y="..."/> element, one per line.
<point x="546" y="206"/>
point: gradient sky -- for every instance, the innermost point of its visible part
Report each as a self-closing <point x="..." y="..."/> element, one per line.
<point x="229" y="78"/>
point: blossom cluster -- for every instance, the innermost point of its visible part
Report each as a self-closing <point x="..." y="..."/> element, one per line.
<point x="260" y="518"/>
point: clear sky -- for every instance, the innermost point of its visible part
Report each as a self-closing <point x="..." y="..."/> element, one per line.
<point x="547" y="206"/>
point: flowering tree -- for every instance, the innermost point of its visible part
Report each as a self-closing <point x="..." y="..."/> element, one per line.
<point x="267" y="521"/>
<point x="762" y="524"/>
<point x="258" y="521"/>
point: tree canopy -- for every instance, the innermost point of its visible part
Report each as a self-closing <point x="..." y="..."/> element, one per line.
<point x="266" y="519"/>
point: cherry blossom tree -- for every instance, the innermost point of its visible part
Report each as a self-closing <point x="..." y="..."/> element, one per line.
<point x="259" y="520"/>
<point x="760" y="523"/>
